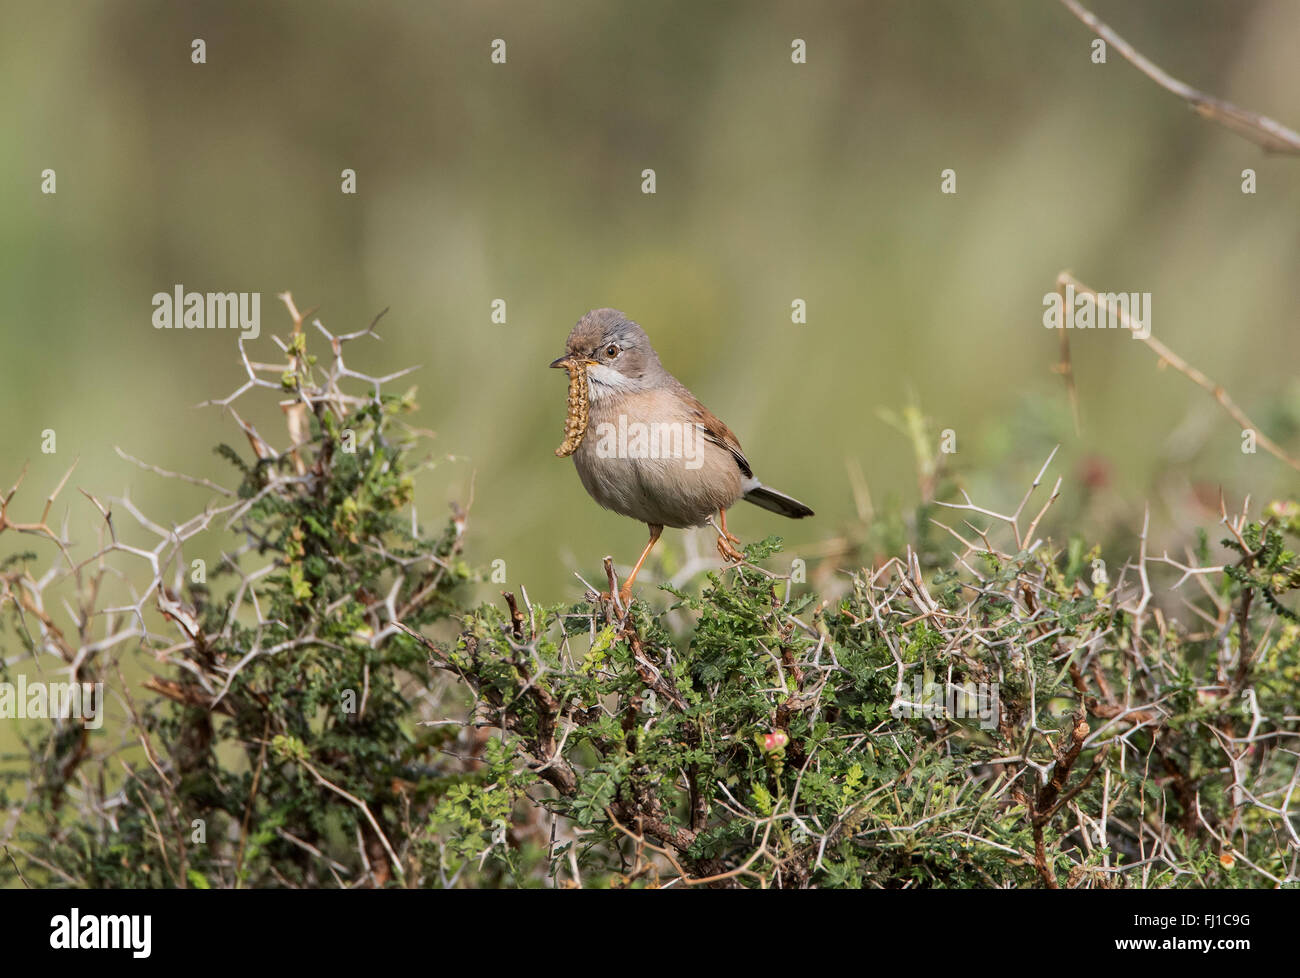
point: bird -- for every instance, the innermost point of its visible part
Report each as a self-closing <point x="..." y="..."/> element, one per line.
<point x="658" y="455"/>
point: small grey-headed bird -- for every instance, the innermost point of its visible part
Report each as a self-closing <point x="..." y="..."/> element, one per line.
<point x="658" y="455"/>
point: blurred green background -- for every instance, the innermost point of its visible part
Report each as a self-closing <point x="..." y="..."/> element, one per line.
<point x="775" y="181"/>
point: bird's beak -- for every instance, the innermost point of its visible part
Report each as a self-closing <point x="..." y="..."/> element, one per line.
<point x="570" y="358"/>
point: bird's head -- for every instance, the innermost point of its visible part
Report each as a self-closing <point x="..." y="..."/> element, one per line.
<point x="615" y="351"/>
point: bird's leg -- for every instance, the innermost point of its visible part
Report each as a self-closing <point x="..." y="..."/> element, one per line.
<point x="722" y="515"/>
<point x="726" y="541"/>
<point x="625" y="592"/>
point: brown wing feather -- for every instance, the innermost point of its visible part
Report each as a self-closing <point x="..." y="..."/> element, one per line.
<point x="717" y="432"/>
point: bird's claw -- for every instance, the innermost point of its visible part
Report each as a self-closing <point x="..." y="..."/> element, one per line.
<point x="729" y="553"/>
<point x="624" y="598"/>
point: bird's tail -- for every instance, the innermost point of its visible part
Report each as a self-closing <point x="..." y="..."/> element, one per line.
<point x="777" y="502"/>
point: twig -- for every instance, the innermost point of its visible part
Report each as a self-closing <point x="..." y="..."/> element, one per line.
<point x="1259" y="129"/>
<point x="1191" y="373"/>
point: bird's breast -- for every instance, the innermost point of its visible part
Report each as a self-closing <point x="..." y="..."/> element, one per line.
<point x="645" y="456"/>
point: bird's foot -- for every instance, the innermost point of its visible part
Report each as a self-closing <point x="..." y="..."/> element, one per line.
<point x="726" y="539"/>
<point x="728" y="551"/>
<point x="624" y="599"/>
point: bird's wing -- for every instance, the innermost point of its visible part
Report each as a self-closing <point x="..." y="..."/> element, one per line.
<point x="717" y="432"/>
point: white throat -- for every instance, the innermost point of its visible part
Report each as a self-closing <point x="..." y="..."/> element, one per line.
<point x="607" y="382"/>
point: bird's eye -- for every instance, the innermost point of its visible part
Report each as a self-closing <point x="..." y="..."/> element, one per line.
<point x="611" y="350"/>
